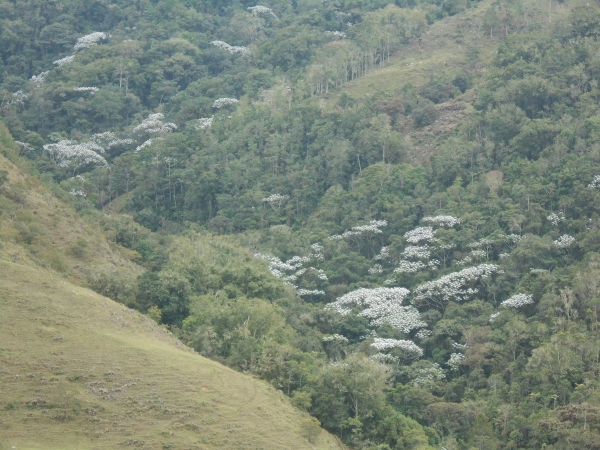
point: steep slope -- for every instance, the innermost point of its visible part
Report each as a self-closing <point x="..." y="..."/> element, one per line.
<point x="78" y="370"/>
<point x="457" y="44"/>
<point x="35" y="225"/>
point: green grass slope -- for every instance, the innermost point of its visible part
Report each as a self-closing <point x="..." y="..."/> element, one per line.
<point x="39" y="227"/>
<point x="459" y="43"/>
<point x="78" y="370"/>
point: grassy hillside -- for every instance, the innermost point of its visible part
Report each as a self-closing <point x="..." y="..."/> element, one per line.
<point x="36" y="225"/>
<point x="80" y="371"/>
<point x="459" y="43"/>
<point x="417" y="188"/>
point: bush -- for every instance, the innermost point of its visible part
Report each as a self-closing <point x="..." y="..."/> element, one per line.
<point x="425" y="113"/>
<point x="113" y="283"/>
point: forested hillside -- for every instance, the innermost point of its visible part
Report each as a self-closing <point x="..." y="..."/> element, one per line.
<point x="387" y="210"/>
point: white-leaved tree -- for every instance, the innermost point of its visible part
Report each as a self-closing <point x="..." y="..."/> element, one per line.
<point x="407" y="349"/>
<point x="517" y="301"/>
<point x="62" y="61"/>
<point x="263" y="11"/>
<point x="565" y="241"/>
<point x="381" y="305"/>
<point x="442" y="221"/>
<point x="456" y="286"/>
<point x="154" y="126"/>
<point x="276" y="200"/>
<point x="91" y="89"/>
<point x="364" y="230"/>
<point x="595" y="182"/>
<point x="90" y="40"/>
<point x="203" y="123"/>
<point x="75" y="155"/>
<point x="222" y="102"/>
<point x="230" y="48"/>
<point x="38" y="80"/>
<point x="420" y="234"/>
<point x="292" y="271"/>
<point x="337" y="34"/>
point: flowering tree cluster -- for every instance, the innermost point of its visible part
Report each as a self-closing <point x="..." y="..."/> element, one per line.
<point x="442" y="221"/>
<point x="494" y="316"/>
<point x="65" y="60"/>
<point x="204" y="123"/>
<point x="458" y="346"/>
<point x="409" y="266"/>
<point x="456" y="359"/>
<point x="292" y="270"/>
<point x="555" y="219"/>
<point x="118" y="142"/>
<point x="75" y="155"/>
<point x="419" y="234"/>
<point x="595" y="182"/>
<point x="384" y="305"/>
<point x="146" y="143"/>
<point x="457" y="286"/>
<point x="423" y="333"/>
<point x="385" y="358"/>
<point x="430" y="374"/>
<point x="153" y="125"/>
<point x="517" y="301"/>
<point x="415" y="256"/>
<point x="221" y="102"/>
<point x="25" y="147"/>
<point x="18" y="97"/>
<point x="230" y="48"/>
<point x="39" y="79"/>
<point x="263" y="11"/>
<point x="384" y="254"/>
<point x="310" y="292"/>
<point x="381" y="305"/>
<point x="278" y="267"/>
<point x="335" y="338"/>
<point x="408" y="347"/>
<point x="377" y="268"/>
<point x="276" y="200"/>
<point x="91" y="89"/>
<point x="109" y="140"/>
<point x="90" y="40"/>
<point x="372" y="228"/>
<point x="337" y="34"/>
<point x="513" y="240"/>
<point x="416" y="252"/>
<point x="565" y="241"/>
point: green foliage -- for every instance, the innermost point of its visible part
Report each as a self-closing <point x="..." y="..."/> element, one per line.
<point x="524" y="378"/>
<point x="167" y="290"/>
<point x="352" y="389"/>
<point x="425" y="112"/>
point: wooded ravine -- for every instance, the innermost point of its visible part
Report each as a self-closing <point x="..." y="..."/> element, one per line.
<point x="387" y="210"/>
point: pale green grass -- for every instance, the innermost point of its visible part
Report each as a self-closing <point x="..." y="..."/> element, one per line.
<point x="445" y="46"/>
<point x="37" y="226"/>
<point x="79" y="371"/>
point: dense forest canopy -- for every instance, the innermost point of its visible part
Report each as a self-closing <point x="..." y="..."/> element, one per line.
<point x="287" y="227"/>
